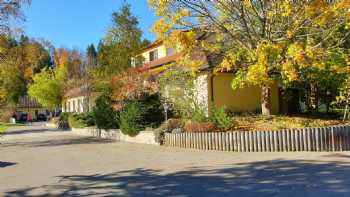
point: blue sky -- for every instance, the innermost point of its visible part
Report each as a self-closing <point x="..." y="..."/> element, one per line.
<point x="77" y="23"/>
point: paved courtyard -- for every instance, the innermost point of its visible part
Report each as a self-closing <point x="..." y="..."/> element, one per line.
<point x="36" y="161"/>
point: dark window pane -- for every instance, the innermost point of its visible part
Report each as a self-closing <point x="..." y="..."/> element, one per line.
<point x="153" y="55"/>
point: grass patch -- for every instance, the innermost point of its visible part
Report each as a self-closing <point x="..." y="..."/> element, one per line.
<point x="263" y="123"/>
<point x="5" y="126"/>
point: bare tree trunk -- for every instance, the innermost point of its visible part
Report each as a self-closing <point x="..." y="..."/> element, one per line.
<point x="266" y="100"/>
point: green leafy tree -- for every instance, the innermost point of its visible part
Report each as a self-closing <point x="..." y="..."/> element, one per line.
<point x="47" y="88"/>
<point x="343" y="99"/>
<point x="132" y="118"/>
<point x="103" y="113"/>
<point x="120" y="44"/>
<point x="12" y="84"/>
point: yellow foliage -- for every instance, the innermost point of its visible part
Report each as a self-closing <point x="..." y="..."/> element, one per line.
<point x="289" y="73"/>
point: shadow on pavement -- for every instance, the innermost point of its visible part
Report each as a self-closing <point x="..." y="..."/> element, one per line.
<point x="27" y="131"/>
<point x="262" y="179"/>
<point x="4" y="164"/>
<point x="59" y="142"/>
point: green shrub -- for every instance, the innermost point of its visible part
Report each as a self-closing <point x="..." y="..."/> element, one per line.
<point x="105" y="117"/>
<point x="63" y="121"/>
<point x="199" y="115"/>
<point x="81" y="120"/>
<point x="153" y="112"/>
<point x="220" y="118"/>
<point x="131" y="118"/>
<point x="75" y="122"/>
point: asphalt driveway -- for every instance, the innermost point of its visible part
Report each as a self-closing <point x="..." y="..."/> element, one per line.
<point x="36" y="161"/>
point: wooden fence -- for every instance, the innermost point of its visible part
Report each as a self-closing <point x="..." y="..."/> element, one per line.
<point x="288" y="140"/>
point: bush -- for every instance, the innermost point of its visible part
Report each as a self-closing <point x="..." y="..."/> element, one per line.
<point x="172" y="124"/>
<point x="105" y="117"/>
<point x="153" y="113"/>
<point x="131" y="118"/>
<point x="192" y="126"/>
<point x="199" y="115"/>
<point x="159" y="136"/>
<point x="63" y="121"/>
<point x="81" y="120"/>
<point x="6" y="113"/>
<point x="220" y="118"/>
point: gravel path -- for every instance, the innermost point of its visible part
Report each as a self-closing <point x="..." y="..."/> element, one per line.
<point x="36" y="161"/>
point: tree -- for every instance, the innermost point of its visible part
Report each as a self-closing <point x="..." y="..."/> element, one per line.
<point x="9" y="10"/>
<point x="91" y="55"/>
<point x="12" y="83"/>
<point x="261" y="41"/>
<point x="104" y="114"/>
<point x="20" y="60"/>
<point x="72" y="67"/>
<point x="47" y="88"/>
<point x="343" y="99"/>
<point x="121" y="43"/>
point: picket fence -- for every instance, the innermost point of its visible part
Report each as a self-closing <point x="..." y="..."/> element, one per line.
<point x="329" y="139"/>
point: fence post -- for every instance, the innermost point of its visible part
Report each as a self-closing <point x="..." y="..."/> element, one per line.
<point x="235" y="141"/>
<point x="322" y="143"/>
<point x="292" y="139"/>
<point x="333" y="140"/>
<point x="317" y="140"/>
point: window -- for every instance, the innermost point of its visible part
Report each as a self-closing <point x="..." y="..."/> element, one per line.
<point x="153" y="55"/>
<point x="169" y="51"/>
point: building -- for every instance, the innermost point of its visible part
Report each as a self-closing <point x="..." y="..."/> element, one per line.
<point x="29" y="106"/>
<point x="213" y="89"/>
<point x="78" y="100"/>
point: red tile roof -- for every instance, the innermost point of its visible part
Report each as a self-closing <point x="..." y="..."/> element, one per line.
<point x="161" y="61"/>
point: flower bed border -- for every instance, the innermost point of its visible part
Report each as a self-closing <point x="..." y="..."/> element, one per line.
<point x="325" y="139"/>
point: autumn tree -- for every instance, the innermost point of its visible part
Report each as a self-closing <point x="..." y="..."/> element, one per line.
<point x="261" y="41"/>
<point x="20" y="60"/>
<point x="11" y="10"/>
<point x="121" y="43"/>
<point x="72" y="65"/>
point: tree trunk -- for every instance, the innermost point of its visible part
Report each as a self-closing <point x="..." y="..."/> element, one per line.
<point x="345" y="112"/>
<point x="266" y="100"/>
<point x="313" y="98"/>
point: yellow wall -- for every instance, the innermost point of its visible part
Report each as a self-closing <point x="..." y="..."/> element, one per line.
<point x="161" y="52"/>
<point x="241" y="100"/>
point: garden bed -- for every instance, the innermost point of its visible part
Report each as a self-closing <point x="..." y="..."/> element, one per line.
<point x="261" y="123"/>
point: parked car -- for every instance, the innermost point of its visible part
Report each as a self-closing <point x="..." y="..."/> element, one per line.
<point x="41" y="117"/>
<point x="23" y="117"/>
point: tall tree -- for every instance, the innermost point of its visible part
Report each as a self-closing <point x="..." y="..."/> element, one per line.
<point x="121" y="43"/>
<point x="9" y="10"/>
<point x="259" y="40"/>
<point x="91" y="55"/>
<point x="71" y="64"/>
<point x="47" y="88"/>
<point x="20" y="60"/>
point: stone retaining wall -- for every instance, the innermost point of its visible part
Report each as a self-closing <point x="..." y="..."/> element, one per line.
<point x="144" y="137"/>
